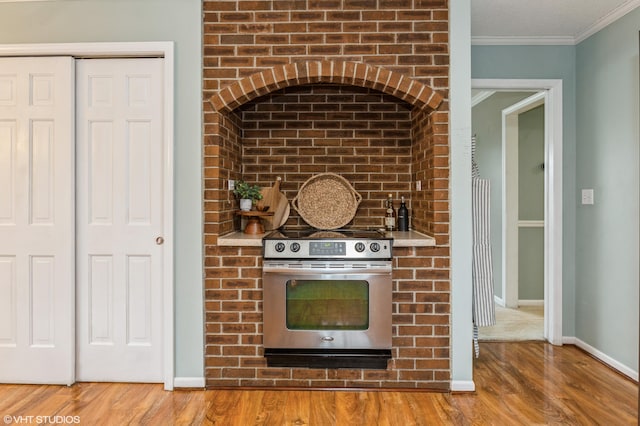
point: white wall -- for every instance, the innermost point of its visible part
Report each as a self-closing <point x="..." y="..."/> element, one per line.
<point x="460" y="187"/>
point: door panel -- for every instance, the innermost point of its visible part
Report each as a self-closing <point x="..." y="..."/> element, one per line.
<point x="36" y="220"/>
<point x="119" y="198"/>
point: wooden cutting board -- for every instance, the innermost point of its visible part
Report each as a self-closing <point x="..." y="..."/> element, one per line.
<point x="278" y="205"/>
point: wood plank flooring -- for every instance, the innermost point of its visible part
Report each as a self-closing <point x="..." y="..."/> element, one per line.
<point x="522" y="383"/>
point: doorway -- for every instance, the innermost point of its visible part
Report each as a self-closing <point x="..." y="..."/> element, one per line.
<point x="550" y="93"/>
<point x="59" y="295"/>
<point x="523" y="201"/>
<point x="509" y="133"/>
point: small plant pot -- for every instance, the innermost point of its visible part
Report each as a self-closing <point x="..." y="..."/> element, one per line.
<point x="245" y="204"/>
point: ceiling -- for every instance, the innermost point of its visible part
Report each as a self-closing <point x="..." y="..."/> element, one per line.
<point x="542" y="21"/>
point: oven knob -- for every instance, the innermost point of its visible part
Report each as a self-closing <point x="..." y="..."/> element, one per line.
<point x="280" y="247"/>
<point x="295" y="247"/>
<point x="375" y="247"/>
<point x="359" y="247"/>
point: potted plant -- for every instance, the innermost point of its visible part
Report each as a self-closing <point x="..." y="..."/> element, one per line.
<point x="248" y="194"/>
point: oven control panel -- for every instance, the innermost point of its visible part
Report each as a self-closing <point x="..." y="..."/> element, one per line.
<point x="327" y="249"/>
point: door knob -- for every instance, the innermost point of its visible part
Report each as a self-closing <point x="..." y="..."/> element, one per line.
<point x="159" y="241"/>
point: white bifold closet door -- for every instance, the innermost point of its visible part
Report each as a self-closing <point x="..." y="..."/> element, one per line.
<point x="119" y="220"/>
<point x="37" y="242"/>
<point x="81" y="242"/>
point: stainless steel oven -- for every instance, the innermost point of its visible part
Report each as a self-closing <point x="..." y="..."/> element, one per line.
<point x="327" y="301"/>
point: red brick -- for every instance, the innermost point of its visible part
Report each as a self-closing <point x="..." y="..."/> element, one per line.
<point x="380" y="143"/>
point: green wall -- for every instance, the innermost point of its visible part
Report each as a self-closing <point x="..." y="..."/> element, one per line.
<point x="531" y="204"/>
<point x="600" y="151"/>
<point x="607" y="160"/>
<point x="178" y="21"/>
<point x="531" y="264"/>
<point x="545" y="62"/>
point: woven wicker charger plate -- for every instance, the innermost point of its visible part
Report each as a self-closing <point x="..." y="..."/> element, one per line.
<point x="327" y="201"/>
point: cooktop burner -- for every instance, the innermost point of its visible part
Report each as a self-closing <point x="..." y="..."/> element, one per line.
<point x="313" y="243"/>
<point x="312" y="233"/>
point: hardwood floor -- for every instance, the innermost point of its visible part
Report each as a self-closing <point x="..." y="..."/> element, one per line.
<point x="517" y="383"/>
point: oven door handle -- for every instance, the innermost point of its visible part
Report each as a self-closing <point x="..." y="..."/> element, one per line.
<point x="379" y="270"/>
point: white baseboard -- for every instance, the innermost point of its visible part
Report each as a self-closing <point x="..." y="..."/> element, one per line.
<point x="463" y="386"/>
<point x="188" y="382"/>
<point x="529" y="302"/>
<point x="498" y="300"/>
<point x="616" y="365"/>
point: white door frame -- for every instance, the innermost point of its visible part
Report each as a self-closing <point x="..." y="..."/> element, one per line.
<point x="553" y="193"/>
<point x="510" y="194"/>
<point x="133" y="50"/>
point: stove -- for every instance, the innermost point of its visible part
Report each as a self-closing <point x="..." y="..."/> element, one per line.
<point x="327" y="298"/>
<point x="343" y="244"/>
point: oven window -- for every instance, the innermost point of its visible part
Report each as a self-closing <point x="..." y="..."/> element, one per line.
<point x="327" y="305"/>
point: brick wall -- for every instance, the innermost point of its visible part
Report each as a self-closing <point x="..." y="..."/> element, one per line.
<point x="354" y="87"/>
<point x="421" y="318"/>
<point x="430" y="165"/>
<point x="358" y="133"/>
<point x="243" y="36"/>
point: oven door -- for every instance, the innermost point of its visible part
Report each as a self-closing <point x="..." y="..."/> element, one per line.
<point x="342" y="306"/>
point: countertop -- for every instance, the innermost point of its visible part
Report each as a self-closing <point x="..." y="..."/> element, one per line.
<point x="400" y="239"/>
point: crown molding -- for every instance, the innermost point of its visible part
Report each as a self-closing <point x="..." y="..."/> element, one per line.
<point x="596" y="26"/>
<point x="522" y="40"/>
<point x="607" y="19"/>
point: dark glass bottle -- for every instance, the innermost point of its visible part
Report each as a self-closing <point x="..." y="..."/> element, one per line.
<point x="403" y="216"/>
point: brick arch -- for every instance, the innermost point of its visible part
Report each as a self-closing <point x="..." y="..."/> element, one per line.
<point x="347" y="73"/>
